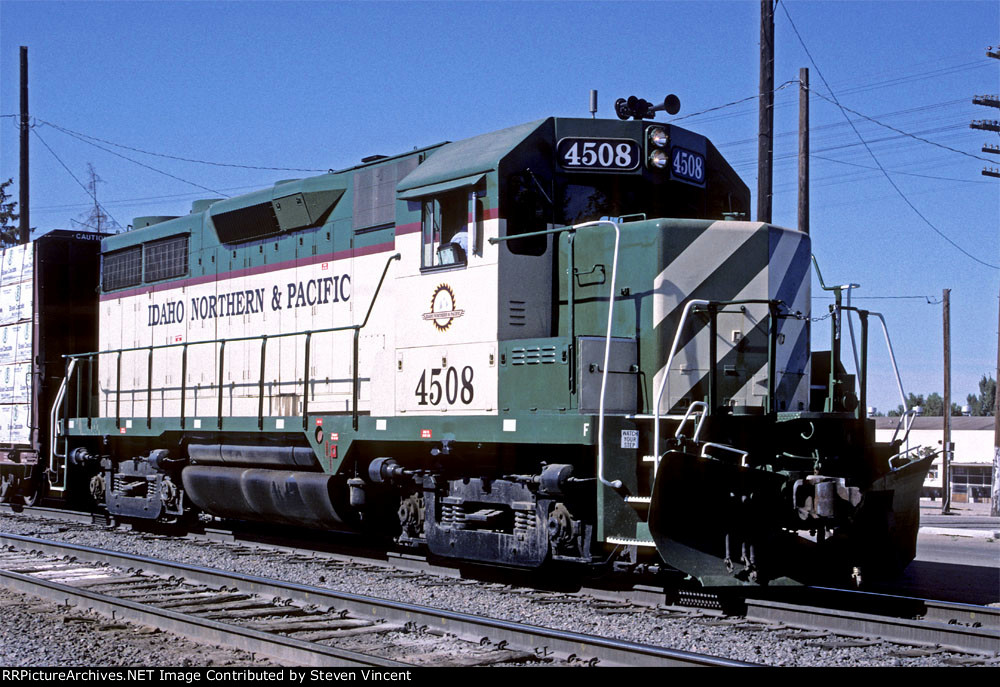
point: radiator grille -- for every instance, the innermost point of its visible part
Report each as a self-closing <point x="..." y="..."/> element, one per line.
<point x="122" y="268"/>
<point x="166" y="258"/>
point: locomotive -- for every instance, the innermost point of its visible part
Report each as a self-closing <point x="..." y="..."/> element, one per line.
<point x="560" y="341"/>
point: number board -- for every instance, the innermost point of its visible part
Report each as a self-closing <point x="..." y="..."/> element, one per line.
<point x="598" y="154"/>
<point x="687" y="165"/>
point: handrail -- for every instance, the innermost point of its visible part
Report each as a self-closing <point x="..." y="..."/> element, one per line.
<point x="53" y="449"/>
<point x="702" y="407"/>
<point x="836" y="332"/>
<point x="666" y="376"/>
<point x="531" y="234"/>
<point x="73" y="358"/>
<point x="854" y="345"/>
<point x="616" y="484"/>
<point x="689" y="306"/>
<point x="910" y="415"/>
<point x="822" y="284"/>
<point x="892" y="358"/>
<point x="912" y="449"/>
<point x="731" y="449"/>
<point x="109" y="351"/>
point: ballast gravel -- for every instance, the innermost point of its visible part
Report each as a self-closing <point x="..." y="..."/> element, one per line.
<point x="695" y="633"/>
<point x="38" y="633"/>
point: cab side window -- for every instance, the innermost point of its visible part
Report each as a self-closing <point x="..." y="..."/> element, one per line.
<point x="528" y="210"/>
<point x="446" y="229"/>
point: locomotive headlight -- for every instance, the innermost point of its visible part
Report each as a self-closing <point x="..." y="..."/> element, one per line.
<point x="658" y="159"/>
<point x="658" y="137"/>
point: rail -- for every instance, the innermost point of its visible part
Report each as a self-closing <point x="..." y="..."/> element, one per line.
<point x="563" y="645"/>
<point x="57" y="478"/>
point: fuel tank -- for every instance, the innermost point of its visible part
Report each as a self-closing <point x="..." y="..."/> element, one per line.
<point x="275" y="496"/>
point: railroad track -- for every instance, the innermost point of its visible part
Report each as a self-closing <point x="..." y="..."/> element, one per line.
<point x="820" y="618"/>
<point x="295" y="623"/>
<point x="928" y="626"/>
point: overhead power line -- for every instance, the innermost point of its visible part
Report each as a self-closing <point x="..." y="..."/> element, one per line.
<point x="872" y="153"/>
<point x="896" y="171"/>
<point x="87" y="139"/>
<point x="141" y="164"/>
<point x="855" y="88"/>
<point x="735" y="102"/>
<point x="70" y="172"/>
<point x="171" y="196"/>
<point x="888" y="126"/>
<point x="929" y="299"/>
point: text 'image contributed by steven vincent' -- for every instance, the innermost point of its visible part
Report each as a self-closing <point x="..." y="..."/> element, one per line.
<point x="187" y="676"/>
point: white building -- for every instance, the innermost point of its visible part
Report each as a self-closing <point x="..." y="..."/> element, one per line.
<point x="972" y="462"/>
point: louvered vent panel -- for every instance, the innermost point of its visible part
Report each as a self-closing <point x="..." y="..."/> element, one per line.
<point x="517" y="313"/>
<point x="533" y="355"/>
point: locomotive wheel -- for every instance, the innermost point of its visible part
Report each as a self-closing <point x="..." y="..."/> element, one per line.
<point x="31" y="492"/>
<point x="96" y="488"/>
<point x="7" y="486"/>
<point x="30" y="497"/>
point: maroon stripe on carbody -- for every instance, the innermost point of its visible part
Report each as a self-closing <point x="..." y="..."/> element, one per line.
<point x="253" y="271"/>
<point x="414" y="227"/>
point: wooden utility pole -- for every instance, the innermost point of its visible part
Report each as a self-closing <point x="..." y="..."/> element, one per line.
<point x="25" y="226"/>
<point x="804" y="150"/>
<point x="765" y="125"/>
<point x="946" y="439"/>
<point x="995" y="489"/>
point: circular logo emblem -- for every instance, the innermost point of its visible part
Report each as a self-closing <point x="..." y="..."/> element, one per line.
<point x="443" y="311"/>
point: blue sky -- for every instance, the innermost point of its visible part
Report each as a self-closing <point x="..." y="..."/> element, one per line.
<point x="319" y="85"/>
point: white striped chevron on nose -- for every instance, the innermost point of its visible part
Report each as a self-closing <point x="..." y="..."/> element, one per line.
<point x="735" y="261"/>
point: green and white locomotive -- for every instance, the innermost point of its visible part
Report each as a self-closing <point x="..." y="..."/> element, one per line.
<point x="554" y="342"/>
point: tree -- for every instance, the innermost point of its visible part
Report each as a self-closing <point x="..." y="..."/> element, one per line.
<point x="931" y="406"/>
<point x="934" y="406"/>
<point x="911" y="402"/>
<point x="982" y="405"/>
<point x="8" y="228"/>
